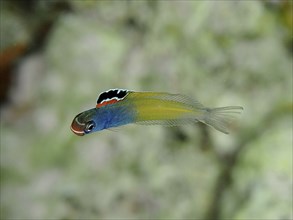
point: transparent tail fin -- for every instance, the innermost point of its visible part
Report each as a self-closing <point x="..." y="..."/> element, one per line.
<point x="221" y="118"/>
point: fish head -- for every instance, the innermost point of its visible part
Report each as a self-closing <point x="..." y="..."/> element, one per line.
<point x="86" y="122"/>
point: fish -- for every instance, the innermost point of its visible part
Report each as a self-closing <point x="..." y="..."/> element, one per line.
<point x="118" y="107"/>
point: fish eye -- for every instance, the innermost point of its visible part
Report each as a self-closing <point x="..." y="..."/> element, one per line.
<point x="89" y="126"/>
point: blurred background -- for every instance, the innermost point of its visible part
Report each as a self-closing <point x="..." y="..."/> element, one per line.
<point x="57" y="56"/>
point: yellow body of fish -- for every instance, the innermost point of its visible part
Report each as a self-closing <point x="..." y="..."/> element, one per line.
<point x="175" y="109"/>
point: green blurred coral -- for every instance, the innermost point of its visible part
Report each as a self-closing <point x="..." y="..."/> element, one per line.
<point x="222" y="53"/>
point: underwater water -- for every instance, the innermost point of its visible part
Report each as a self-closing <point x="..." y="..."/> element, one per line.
<point x="56" y="57"/>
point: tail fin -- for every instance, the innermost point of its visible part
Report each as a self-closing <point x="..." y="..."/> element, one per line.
<point x="221" y="118"/>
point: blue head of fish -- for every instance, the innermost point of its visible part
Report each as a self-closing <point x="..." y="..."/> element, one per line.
<point x="88" y="122"/>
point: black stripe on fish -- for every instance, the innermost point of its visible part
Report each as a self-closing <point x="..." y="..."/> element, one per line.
<point x="117" y="94"/>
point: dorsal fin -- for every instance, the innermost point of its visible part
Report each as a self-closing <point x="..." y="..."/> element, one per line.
<point x="111" y="96"/>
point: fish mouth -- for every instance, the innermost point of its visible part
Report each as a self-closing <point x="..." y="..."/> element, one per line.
<point x="77" y="127"/>
<point x="79" y="133"/>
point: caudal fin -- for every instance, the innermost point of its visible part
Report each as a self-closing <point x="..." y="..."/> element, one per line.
<point x="221" y="118"/>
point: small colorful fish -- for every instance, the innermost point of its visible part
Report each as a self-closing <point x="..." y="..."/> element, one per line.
<point x="117" y="107"/>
